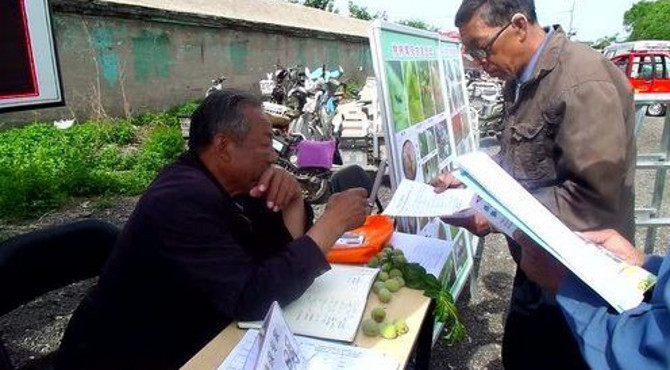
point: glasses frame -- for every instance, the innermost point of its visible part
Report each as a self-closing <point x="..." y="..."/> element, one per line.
<point x="483" y="53"/>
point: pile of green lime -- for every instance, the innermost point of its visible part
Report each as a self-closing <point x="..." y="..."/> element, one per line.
<point x="379" y="325"/>
<point x="390" y="279"/>
<point x="396" y="272"/>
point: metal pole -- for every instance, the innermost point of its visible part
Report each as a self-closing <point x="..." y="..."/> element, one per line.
<point x="659" y="187"/>
<point x="572" y="17"/>
<point x="640" y="114"/>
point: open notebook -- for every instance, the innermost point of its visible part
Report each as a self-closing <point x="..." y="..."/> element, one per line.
<point x="509" y="207"/>
<point x="275" y="347"/>
<point x="332" y="307"/>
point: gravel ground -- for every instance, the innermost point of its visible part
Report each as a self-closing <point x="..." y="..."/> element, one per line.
<point x="36" y="328"/>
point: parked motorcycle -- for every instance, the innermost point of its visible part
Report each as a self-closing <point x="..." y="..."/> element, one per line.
<point x="313" y="180"/>
<point x="486" y="99"/>
<point x="217" y="84"/>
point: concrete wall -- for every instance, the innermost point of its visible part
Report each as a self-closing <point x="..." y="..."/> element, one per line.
<point x="121" y="63"/>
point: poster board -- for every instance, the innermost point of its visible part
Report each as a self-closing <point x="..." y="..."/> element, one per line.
<point x="425" y="114"/>
<point x="29" y="66"/>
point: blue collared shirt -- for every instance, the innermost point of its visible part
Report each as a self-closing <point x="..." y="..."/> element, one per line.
<point x="635" y="339"/>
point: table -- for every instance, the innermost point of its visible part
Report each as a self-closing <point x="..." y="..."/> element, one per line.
<point x="406" y="303"/>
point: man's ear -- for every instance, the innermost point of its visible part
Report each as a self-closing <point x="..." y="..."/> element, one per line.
<point x="223" y="147"/>
<point x="520" y="24"/>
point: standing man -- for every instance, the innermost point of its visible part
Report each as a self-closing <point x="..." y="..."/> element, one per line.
<point x="568" y="139"/>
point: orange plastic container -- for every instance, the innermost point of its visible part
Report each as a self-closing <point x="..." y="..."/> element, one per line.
<point x="376" y="232"/>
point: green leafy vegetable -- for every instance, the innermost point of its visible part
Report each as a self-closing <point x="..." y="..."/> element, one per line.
<point x="417" y="278"/>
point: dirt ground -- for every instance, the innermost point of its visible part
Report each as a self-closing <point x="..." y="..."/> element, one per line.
<point x="36" y="328"/>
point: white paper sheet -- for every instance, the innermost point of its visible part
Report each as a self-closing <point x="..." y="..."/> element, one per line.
<point x="320" y="355"/>
<point x="430" y="253"/>
<point x="238" y="356"/>
<point x="607" y="277"/>
<point x="332" y="307"/>
<point x="323" y="355"/>
<point x="279" y="349"/>
<point x="416" y="199"/>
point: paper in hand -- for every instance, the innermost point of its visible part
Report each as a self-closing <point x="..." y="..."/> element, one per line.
<point x="416" y="199"/>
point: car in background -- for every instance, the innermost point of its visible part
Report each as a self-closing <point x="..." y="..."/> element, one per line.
<point x="647" y="66"/>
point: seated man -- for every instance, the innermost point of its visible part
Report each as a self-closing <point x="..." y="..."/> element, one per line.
<point x="635" y="339"/>
<point x="218" y="236"/>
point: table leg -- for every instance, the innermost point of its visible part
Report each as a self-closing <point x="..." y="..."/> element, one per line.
<point x="424" y="342"/>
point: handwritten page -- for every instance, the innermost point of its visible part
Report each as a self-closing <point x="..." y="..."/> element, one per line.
<point x="332" y="307"/>
<point x="320" y="355"/>
<point x="430" y="253"/>
<point x="416" y="199"/>
<point x="607" y="277"/>
<point x="323" y="355"/>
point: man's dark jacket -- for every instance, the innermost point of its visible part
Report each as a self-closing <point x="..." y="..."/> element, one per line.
<point x="189" y="261"/>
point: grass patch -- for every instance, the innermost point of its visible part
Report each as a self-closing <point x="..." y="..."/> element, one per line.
<point x="104" y="203"/>
<point x="41" y="167"/>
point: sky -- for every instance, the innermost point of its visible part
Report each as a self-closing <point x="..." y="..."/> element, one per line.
<point x="592" y="19"/>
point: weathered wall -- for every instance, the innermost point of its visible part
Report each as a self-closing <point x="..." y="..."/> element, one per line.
<point x="127" y="65"/>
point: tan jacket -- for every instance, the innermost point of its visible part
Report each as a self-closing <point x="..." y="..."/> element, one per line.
<point x="569" y="137"/>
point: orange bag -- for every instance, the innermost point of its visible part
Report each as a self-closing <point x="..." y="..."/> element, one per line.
<point x="376" y="231"/>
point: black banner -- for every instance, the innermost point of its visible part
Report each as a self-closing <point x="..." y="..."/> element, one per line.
<point x="17" y="76"/>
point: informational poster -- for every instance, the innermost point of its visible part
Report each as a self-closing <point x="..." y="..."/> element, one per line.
<point x="425" y="115"/>
<point x="29" y="66"/>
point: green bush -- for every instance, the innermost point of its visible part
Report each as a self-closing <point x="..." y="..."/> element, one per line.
<point x="41" y="166"/>
<point x="184" y="110"/>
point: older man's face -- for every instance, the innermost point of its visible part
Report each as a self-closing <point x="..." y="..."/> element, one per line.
<point x="254" y="155"/>
<point x="496" y="49"/>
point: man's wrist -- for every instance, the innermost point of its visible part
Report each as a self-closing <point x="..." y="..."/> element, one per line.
<point x="325" y="233"/>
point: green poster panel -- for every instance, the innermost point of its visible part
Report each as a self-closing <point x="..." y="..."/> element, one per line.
<point x="426" y="118"/>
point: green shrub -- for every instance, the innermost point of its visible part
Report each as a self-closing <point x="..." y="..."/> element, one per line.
<point x="154" y="119"/>
<point x="185" y="110"/>
<point x="41" y="166"/>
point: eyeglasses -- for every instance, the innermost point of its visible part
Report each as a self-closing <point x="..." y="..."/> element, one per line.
<point x="483" y="53"/>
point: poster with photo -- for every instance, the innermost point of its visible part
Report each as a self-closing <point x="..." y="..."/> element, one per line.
<point x="452" y="62"/>
<point x="425" y="117"/>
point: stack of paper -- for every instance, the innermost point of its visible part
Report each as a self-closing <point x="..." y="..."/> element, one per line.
<point x="509" y="206"/>
<point x="275" y="347"/>
<point x="332" y="307"/>
<point x="430" y="253"/>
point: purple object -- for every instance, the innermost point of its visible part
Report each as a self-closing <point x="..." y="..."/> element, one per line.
<point x="316" y="153"/>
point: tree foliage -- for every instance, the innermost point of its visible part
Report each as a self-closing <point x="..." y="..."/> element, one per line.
<point x="362" y="12"/>
<point x="418" y="23"/>
<point x="604" y="42"/>
<point x="649" y="20"/>
<point x="327" y="5"/>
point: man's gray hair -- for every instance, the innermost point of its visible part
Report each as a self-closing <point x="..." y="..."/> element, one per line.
<point x="221" y="112"/>
<point x="495" y="13"/>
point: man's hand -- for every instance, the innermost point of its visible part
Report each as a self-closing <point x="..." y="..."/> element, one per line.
<point x="539" y="266"/>
<point x="345" y="211"/>
<point x="445" y="181"/>
<point x="280" y="189"/>
<point x="349" y="208"/>
<point x="469" y="220"/>
<point x="617" y="244"/>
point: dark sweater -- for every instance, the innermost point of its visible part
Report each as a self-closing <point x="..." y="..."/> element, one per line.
<point x="189" y="261"/>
